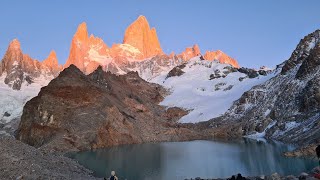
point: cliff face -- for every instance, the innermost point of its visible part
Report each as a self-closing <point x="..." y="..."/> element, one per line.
<point x="140" y="44"/>
<point x="139" y="35"/>
<point x="87" y="53"/>
<point x="77" y="111"/>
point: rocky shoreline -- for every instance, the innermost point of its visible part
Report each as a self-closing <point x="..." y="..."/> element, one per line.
<point x="21" y="161"/>
<point x="275" y="176"/>
<point x="308" y="150"/>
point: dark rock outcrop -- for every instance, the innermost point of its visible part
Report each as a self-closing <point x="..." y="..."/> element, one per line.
<point x="77" y="111"/>
<point x="250" y="72"/>
<point x="301" y="52"/>
<point x="176" y="71"/>
<point x="215" y="75"/>
<point x="310" y="63"/>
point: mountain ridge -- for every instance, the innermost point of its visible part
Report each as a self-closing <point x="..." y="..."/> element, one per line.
<point x="87" y="52"/>
<point x="19" y="67"/>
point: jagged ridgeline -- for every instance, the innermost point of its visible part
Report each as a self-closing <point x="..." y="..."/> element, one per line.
<point x="140" y="51"/>
<point x="286" y="107"/>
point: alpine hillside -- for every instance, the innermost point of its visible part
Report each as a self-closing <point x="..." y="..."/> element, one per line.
<point x="285" y="107"/>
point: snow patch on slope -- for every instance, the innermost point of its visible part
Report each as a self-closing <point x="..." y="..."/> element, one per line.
<point x="101" y="59"/>
<point x="261" y="135"/>
<point x="13" y="101"/>
<point x="205" y="98"/>
<point x="129" y="48"/>
<point x="288" y="126"/>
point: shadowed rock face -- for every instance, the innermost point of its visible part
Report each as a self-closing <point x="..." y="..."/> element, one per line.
<point x="176" y="71"/>
<point x="302" y="51"/>
<point x="290" y="100"/>
<point x="77" y="111"/>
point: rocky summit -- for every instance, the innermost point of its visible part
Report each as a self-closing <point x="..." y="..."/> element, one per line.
<point x="77" y="111"/>
<point x="83" y="47"/>
<point x="139" y="35"/>
<point x="140" y="46"/>
<point x="221" y="57"/>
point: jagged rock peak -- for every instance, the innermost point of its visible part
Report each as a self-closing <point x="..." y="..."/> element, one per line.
<point x="14" y="44"/>
<point x="302" y="51"/>
<point x="190" y="52"/>
<point x="82" y="32"/>
<point x="221" y="57"/>
<point x="87" y="53"/>
<point x="71" y="70"/>
<point x="51" y="60"/>
<point x="14" y="52"/>
<point x="139" y="35"/>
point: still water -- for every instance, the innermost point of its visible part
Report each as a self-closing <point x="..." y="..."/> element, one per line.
<point x="206" y="159"/>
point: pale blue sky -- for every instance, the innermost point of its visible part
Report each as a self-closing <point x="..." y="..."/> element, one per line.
<point x="254" y="32"/>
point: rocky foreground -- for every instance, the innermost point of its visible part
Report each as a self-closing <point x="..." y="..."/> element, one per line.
<point x="21" y="161"/>
<point x="275" y="176"/>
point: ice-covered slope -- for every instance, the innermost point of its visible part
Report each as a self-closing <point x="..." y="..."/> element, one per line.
<point x="12" y="102"/>
<point x="206" y="98"/>
<point x="290" y="101"/>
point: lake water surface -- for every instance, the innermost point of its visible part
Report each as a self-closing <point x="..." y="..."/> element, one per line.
<point x="180" y="160"/>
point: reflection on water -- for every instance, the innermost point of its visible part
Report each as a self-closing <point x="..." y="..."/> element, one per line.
<point x="179" y="160"/>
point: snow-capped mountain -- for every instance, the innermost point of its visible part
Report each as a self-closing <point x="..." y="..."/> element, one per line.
<point x="140" y="51"/>
<point x="227" y="100"/>
<point x="18" y="68"/>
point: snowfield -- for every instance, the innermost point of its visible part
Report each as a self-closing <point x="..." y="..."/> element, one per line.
<point x="206" y="99"/>
<point x="193" y="91"/>
<point x="12" y="101"/>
